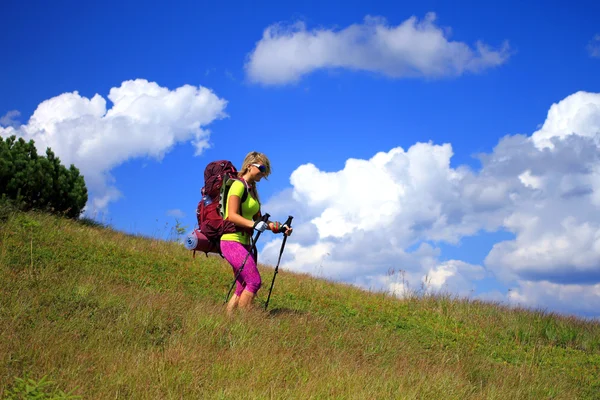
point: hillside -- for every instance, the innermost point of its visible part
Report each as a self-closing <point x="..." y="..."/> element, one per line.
<point x="107" y="315"/>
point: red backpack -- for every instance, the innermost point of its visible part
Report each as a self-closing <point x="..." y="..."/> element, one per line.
<point x="218" y="177"/>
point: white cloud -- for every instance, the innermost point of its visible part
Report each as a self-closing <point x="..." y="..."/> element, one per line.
<point x="530" y="181"/>
<point x="565" y="298"/>
<point x="405" y="185"/>
<point x="593" y="46"/>
<point x="454" y="276"/>
<point x="556" y="220"/>
<point x="175" y="213"/>
<point x="578" y="114"/>
<point x="414" y="48"/>
<point x="569" y="252"/>
<point x="146" y="120"/>
<point x="10" y="119"/>
<point x="389" y="211"/>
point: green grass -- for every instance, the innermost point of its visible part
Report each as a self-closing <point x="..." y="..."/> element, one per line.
<point x="88" y="311"/>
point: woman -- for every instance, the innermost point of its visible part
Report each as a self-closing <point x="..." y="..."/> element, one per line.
<point x="235" y="246"/>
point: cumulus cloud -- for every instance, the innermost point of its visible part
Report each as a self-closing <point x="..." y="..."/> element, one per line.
<point x="414" y="48"/>
<point x="566" y="298"/>
<point x="593" y="46"/>
<point x="393" y="210"/>
<point x="578" y="114"/>
<point x="145" y="120"/>
<point x="454" y="276"/>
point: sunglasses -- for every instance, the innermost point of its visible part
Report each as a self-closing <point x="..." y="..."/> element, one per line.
<point x="261" y="168"/>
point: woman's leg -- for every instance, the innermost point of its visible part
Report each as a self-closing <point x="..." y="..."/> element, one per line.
<point x="246" y="299"/>
<point x="249" y="280"/>
<point x="233" y="303"/>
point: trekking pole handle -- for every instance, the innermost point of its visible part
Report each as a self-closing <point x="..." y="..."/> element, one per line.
<point x="288" y="223"/>
<point x="264" y="218"/>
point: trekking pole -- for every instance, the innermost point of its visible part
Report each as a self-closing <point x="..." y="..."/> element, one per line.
<point x="287" y="223"/>
<point x="265" y="218"/>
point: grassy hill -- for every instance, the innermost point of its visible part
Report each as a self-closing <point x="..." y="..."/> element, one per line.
<point x="105" y="315"/>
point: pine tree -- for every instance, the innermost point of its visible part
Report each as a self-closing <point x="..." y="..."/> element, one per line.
<point x="37" y="182"/>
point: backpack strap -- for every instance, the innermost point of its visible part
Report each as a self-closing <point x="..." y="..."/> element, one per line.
<point x="246" y="190"/>
<point x="225" y="192"/>
<point x="242" y="200"/>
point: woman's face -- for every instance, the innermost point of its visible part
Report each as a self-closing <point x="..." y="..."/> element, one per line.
<point x="257" y="171"/>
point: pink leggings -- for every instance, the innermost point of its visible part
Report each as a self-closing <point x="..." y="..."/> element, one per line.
<point x="236" y="253"/>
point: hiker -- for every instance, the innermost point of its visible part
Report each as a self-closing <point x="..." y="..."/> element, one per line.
<point x="236" y="246"/>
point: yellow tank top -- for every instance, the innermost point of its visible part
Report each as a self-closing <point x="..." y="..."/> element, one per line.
<point x="249" y="209"/>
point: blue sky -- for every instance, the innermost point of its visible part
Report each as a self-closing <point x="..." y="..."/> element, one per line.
<point x="455" y="141"/>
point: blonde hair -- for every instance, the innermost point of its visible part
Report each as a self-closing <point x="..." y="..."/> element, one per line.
<point x="254" y="157"/>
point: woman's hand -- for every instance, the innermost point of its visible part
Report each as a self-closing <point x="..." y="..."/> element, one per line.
<point x="277" y="227"/>
<point x="260" y="226"/>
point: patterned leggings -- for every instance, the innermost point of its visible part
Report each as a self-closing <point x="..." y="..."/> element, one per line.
<point x="235" y="253"/>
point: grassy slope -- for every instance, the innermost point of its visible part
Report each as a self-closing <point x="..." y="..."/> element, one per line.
<point x="117" y="316"/>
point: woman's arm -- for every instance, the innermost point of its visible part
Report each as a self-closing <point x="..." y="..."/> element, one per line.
<point x="233" y="206"/>
<point x="277" y="227"/>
